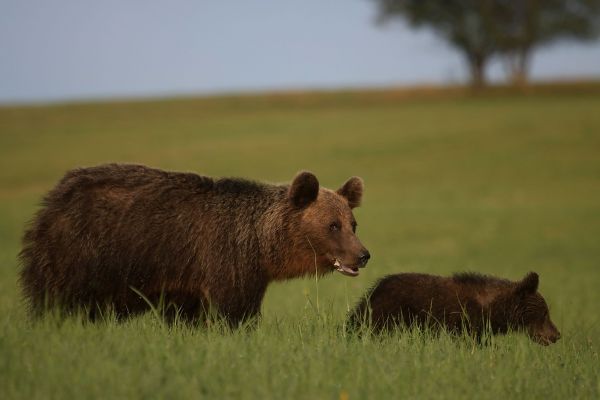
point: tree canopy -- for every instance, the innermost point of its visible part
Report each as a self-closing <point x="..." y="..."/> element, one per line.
<point x="512" y="29"/>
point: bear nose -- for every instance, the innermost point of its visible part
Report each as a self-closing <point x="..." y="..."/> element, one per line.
<point x="364" y="257"/>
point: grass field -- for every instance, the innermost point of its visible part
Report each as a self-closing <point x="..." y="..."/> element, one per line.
<point x="500" y="183"/>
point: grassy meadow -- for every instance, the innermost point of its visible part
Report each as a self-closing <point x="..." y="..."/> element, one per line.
<point x="499" y="183"/>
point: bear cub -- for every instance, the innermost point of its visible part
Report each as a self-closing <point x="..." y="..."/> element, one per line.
<point x="464" y="302"/>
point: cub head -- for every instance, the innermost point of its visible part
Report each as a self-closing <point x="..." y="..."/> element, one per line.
<point x="532" y="313"/>
<point x="327" y="228"/>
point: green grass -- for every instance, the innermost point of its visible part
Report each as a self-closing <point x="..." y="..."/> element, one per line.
<point x="500" y="183"/>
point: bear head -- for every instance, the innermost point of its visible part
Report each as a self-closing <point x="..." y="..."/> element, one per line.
<point x="327" y="225"/>
<point x="531" y="312"/>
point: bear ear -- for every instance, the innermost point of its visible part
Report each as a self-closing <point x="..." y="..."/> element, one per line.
<point x="304" y="189"/>
<point x="529" y="284"/>
<point x="352" y="190"/>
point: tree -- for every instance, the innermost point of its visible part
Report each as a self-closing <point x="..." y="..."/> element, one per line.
<point x="465" y="24"/>
<point x="512" y="29"/>
<point x="523" y="25"/>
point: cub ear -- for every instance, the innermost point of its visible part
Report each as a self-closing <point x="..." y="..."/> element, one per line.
<point x="304" y="189"/>
<point x="352" y="190"/>
<point x="529" y="284"/>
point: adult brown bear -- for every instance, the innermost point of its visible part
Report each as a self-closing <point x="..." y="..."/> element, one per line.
<point x="109" y="233"/>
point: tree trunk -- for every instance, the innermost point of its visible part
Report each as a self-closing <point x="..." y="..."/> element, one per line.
<point x="519" y="67"/>
<point x="477" y="64"/>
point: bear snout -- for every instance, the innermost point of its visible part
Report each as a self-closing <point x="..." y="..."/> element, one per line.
<point x="552" y="332"/>
<point x="364" y="258"/>
<point x="554" y="337"/>
<point x="547" y="338"/>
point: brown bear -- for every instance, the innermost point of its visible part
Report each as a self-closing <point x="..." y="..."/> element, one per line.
<point x="120" y="236"/>
<point x="464" y="302"/>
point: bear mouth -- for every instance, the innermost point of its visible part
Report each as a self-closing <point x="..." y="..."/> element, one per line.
<point x="345" y="269"/>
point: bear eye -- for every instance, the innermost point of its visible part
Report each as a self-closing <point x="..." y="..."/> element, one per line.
<point x="354" y="225"/>
<point x="334" y="226"/>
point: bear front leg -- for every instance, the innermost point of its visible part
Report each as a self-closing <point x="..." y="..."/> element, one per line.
<point x="241" y="310"/>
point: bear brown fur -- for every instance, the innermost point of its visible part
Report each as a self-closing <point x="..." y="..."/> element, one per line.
<point x="120" y="236"/>
<point x="464" y="302"/>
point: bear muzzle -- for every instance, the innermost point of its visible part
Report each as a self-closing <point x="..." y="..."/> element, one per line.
<point x="548" y="337"/>
<point x="364" y="258"/>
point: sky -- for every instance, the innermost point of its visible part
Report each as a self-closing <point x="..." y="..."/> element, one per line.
<point x="82" y="49"/>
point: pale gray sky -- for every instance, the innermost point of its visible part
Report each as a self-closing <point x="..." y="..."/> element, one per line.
<point x="71" y="49"/>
